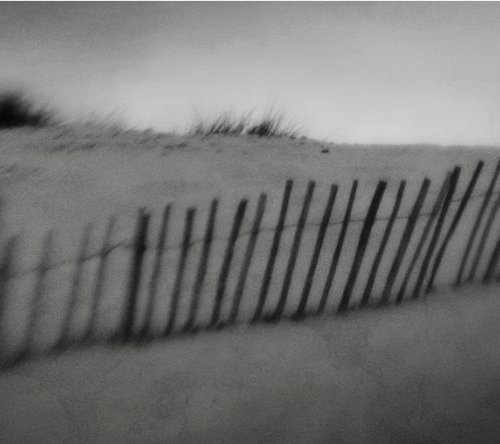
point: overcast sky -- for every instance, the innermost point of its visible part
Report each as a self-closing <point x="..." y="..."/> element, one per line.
<point x="349" y="72"/>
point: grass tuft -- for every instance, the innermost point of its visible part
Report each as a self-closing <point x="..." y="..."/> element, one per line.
<point x="221" y="124"/>
<point x="272" y="124"/>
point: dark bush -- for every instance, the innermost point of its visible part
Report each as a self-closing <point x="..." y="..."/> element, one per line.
<point x="18" y="111"/>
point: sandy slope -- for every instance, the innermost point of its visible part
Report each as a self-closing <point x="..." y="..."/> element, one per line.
<point x="423" y="372"/>
<point x="418" y="374"/>
<point x="64" y="177"/>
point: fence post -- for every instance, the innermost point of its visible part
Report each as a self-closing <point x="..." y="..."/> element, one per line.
<point x="492" y="263"/>
<point x="202" y="266"/>
<point x="139" y="248"/>
<point x="179" y="278"/>
<point x="477" y="223"/>
<point x="437" y="230"/>
<point x="75" y="289"/>
<point x="99" y="282"/>
<point x="484" y="238"/>
<point x="453" y="226"/>
<point x="266" y="281"/>
<point x="362" y="244"/>
<point x="226" y="264"/>
<point x="155" y="275"/>
<point x="427" y="229"/>
<point x="6" y="267"/>
<point x="383" y="244"/>
<point x="317" y="250"/>
<point x="240" y="286"/>
<point x="38" y="295"/>
<point x="338" y="250"/>
<point x="405" y="240"/>
<point x="278" y="312"/>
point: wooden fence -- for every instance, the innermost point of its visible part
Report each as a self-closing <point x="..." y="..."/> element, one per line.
<point x="387" y="260"/>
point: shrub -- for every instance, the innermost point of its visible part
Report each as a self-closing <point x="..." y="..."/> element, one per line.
<point x="17" y="111"/>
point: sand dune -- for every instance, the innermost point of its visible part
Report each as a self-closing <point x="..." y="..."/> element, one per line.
<point x="424" y="372"/>
<point x="407" y="374"/>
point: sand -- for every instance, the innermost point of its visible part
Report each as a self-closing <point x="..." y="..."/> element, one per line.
<point x="423" y="372"/>
<point x="413" y="373"/>
<point x="62" y="178"/>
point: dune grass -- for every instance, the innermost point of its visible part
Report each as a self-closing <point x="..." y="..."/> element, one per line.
<point x="270" y="124"/>
<point x="18" y="109"/>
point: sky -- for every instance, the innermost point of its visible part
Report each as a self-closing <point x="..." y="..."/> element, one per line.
<point x="346" y="72"/>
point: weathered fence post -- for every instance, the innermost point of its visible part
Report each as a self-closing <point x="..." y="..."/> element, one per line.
<point x="278" y="312"/>
<point x="453" y="226"/>
<point x="139" y="248"/>
<point x="266" y="281"/>
<point x="75" y="290"/>
<point x="226" y="264"/>
<point x="38" y="295"/>
<point x="437" y="230"/>
<point x="427" y="229"/>
<point x="179" y="278"/>
<point x="484" y="238"/>
<point x="300" y="312"/>
<point x="99" y="282"/>
<point x="477" y="223"/>
<point x="362" y="244"/>
<point x="6" y="268"/>
<point x="252" y="240"/>
<point x="146" y="330"/>
<point x="338" y="250"/>
<point x="383" y="244"/>
<point x="405" y="240"/>
<point x="202" y="267"/>
<point x="492" y="263"/>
